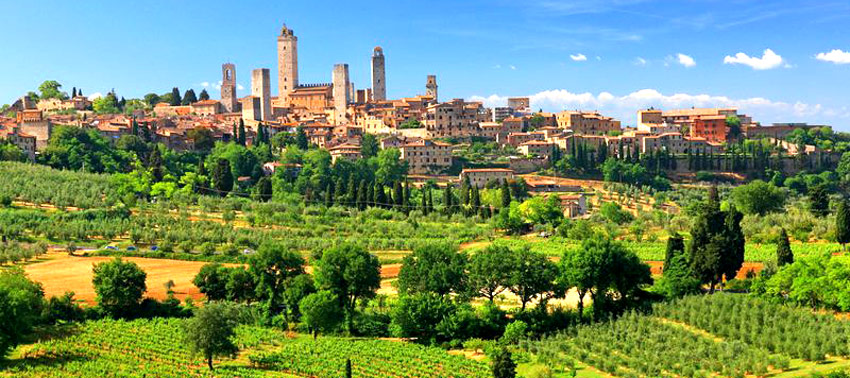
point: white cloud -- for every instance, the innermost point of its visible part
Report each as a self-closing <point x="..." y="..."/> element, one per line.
<point x="768" y="60"/>
<point x="205" y="84"/>
<point x="624" y="107"/>
<point x="512" y="67"/>
<point x="578" y="57"/>
<point x="640" y="61"/>
<point x="498" y="66"/>
<point x="95" y="95"/>
<point x="598" y="57"/>
<point x="238" y="86"/>
<point x="685" y="60"/>
<point x="835" y="56"/>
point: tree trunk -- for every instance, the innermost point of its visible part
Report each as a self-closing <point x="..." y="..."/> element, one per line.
<point x="315" y="334"/>
<point x="209" y="362"/>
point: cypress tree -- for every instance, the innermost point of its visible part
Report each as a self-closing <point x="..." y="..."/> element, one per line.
<point x="424" y="204"/>
<point x="329" y="195"/>
<point x="241" y="132"/>
<point x="176" y="99"/>
<point x="475" y="200"/>
<point x="135" y="127"/>
<point x="222" y="177"/>
<point x="784" y="255"/>
<point x="506" y="195"/>
<point x="398" y="195"/>
<point x="819" y="200"/>
<point x="406" y="200"/>
<point x="352" y="198"/>
<point x="464" y="191"/>
<point x="189" y="98"/>
<point x="447" y="200"/>
<point x="74" y="92"/>
<point x="234" y="134"/>
<point x="503" y="364"/>
<point x="842" y="223"/>
<point x="370" y="195"/>
<point x="204" y="95"/>
<point x="362" y="194"/>
<point x="675" y="247"/>
<point x="339" y="191"/>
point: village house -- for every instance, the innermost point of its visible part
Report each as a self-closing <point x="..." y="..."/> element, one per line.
<point x="425" y="155"/>
<point x="479" y="177"/>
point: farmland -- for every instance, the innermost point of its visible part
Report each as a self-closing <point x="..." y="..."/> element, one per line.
<point x="724" y="334"/>
<point x="152" y="348"/>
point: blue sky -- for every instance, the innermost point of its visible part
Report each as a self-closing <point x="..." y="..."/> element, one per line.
<point x="609" y="55"/>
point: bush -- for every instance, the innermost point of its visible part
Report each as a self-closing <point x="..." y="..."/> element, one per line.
<point x="514" y="332"/>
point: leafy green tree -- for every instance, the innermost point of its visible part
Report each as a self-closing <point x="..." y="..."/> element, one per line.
<point x="321" y="312"/>
<point x="758" y="197"/>
<point x="819" y="200"/>
<point x="119" y="286"/>
<point x="510" y="219"/>
<point x="298" y="288"/>
<point x="350" y="272"/>
<point x="540" y="210"/>
<point x="784" y="255"/>
<point x="212" y="281"/>
<point x="435" y="267"/>
<point x="419" y="315"/>
<point x="301" y="139"/>
<point x="204" y="95"/>
<point x="176" y="99"/>
<point x="533" y="276"/>
<point x="734" y="125"/>
<point x="240" y="285"/>
<point x="210" y="332"/>
<point x="271" y="267"/>
<point x="78" y="148"/>
<point x="21" y="301"/>
<point x="369" y="146"/>
<point x="603" y="268"/>
<point x="152" y="99"/>
<point x="677" y="279"/>
<point x="842" y="223"/>
<point x="51" y="89"/>
<point x="490" y="271"/>
<point x="106" y="105"/>
<point x="503" y="364"/>
<point x="391" y="167"/>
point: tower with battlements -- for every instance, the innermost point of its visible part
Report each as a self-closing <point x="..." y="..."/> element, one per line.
<point x="261" y="88"/>
<point x="431" y="87"/>
<point x="341" y="92"/>
<point x="287" y="63"/>
<point x="228" y="88"/>
<point x="379" y="85"/>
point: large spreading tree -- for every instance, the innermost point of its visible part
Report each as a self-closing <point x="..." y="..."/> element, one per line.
<point x="351" y="273"/>
<point x="717" y="245"/>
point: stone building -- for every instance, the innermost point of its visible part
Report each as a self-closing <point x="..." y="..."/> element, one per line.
<point x="229" y="101"/>
<point x="287" y="63"/>
<point x="456" y="118"/>
<point x="379" y="85"/>
<point x="426" y="156"/>
<point x="261" y="88"/>
<point x="481" y="176"/>
<point x="589" y="123"/>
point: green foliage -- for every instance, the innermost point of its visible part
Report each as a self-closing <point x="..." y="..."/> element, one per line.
<point x="351" y="273"/>
<point x="83" y="149"/>
<point x="532" y="277"/>
<point x="614" y="213"/>
<point x="119" y="286"/>
<point x="784" y="255"/>
<point x="490" y="271"/>
<point x="677" y="280"/>
<point x="212" y="281"/>
<point x="271" y="267"/>
<point x="514" y="333"/>
<point x="419" y="315"/>
<point x="818" y="281"/>
<point x="51" y="89"/>
<point x="758" y="197"/>
<point x="210" y="332"/>
<point x="503" y="364"/>
<point x="369" y="146"/>
<point x="438" y="268"/>
<point x="717" y="245"/>
<point x="321" y="311"/>
<point x="842" y="222"/>
<point x="21" y="301"/>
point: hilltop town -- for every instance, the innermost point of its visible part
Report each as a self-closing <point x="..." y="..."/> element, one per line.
<point x="429" y="133"/>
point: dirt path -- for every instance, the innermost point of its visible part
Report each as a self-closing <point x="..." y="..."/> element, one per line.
<point x="655" y="267"/>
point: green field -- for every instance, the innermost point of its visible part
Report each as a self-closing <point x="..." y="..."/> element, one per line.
<point x="153" y="348"/>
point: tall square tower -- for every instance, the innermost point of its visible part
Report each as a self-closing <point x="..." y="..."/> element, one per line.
<point x="228" y="87"/>
<point x="379" y="85"/>
<point x="341" y="92"/>
<point x="261" y="88"/>
<point x="287" y="63"/>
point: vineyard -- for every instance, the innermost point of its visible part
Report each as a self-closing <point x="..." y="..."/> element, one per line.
<point x="716" y="335"/>
<point x="154" y="348"/>
<point x="326" y="357"/>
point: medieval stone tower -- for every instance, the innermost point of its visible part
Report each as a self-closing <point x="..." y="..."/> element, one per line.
<point x="431" y="86"/>
<point x="228" y="87"/>
<point x="261" y="88"/>
<point x="287" y="63"/>
<point x="341" y="92"/>
<point x="379" y="85"/>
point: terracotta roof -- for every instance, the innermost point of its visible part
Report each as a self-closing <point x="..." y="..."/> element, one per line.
<point x="205" y="103"/>
<point x="468" y="170"/>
